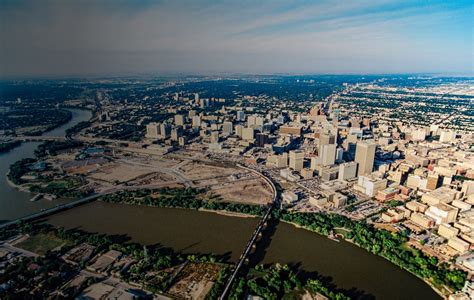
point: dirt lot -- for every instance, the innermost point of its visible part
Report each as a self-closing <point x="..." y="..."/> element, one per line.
<point x="253" y="191"/>
<point x="195" y="281"/>
<point x="120" y="172"/>
<point x="197" y="171"/>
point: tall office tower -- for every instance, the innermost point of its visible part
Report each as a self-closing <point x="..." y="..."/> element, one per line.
<point x="339" y="154"/>
<point x="251" y="121"/>
<point x="326" y="139"/>
<point x="296" y="160"/>
<point x="179" y="120"/>
<point x="315" y="163"/>
<point x="240" y="115"/>
<point x="418" y="135"/>
<point x="259" y="121"/>
<point x="196" y="121"/>
<point x="447" y="136"/>
<point x="247" y="134"/>
<point x="261" y="139"/>
<point x="347" y="170"/>
<point x="328" y="154"/>
<point x="165" y="130"/>
<point x="364" y="156"/>
<point x="176" y="133"/>
<point x="153" y="130"/>
<point x="176" y="96"/>
<point x="238" y="130"/>
<point x="227" y="128"/>
<point x="196" y="98"/>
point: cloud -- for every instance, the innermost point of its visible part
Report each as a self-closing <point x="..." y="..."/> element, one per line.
<point x="117" y="37"/>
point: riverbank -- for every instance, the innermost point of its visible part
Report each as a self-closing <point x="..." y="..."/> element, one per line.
<point x="389" y="246"/>
<point x="228" y="213"/>
<point x="344" y="266"/>
<point x="14" y="200"/>
<point x="18" y="187"/>
<point x="351" y="241"/>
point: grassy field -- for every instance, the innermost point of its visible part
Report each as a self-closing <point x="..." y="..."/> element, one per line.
<point x="41" y="243"/>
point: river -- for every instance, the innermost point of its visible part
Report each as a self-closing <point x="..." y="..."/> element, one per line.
<point x="15" y="203"/>
<point x="351" y="268"/>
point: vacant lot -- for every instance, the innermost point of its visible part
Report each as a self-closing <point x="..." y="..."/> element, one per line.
<point x="41" y="243"/>
<point x="199" y="171"/>
<point x="195" y="281"/>
<point x="120" y="172"/>
<point x="253" y="191"/>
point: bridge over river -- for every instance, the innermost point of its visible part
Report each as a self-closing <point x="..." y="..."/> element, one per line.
<point x="257" y="233"/>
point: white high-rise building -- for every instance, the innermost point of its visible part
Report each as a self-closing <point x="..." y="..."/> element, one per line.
<point x="165" y="130"/>
<point x="196" y="121"/>
<point x="238" y="130"/>
<point x="179" y="120"/>
<point x="227" y="128"/>
<point x="328" y="154"/>
<point x="347" y="170"/>
<point x="339" y="154"/>
<point x="248" y="134"/>
<point x="296" y="160"/>
<point x="251" y="121"/>
<point x="153" y="130"/>
<point x="447" y="136"/>
<point x="240" y="115"/>
<point x="418" y="135"/>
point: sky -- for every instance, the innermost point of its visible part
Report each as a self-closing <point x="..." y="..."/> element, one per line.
<point x="116" y="37"/>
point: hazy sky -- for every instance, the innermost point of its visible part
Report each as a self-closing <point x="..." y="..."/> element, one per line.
<point x="114" y="37"/>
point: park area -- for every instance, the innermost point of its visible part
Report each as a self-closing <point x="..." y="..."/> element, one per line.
<point x="41" y="243"/>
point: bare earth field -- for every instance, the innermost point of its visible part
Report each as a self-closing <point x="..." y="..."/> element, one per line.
<point x="195" y="281"/>
<point x="197" y="171"/>
<point x="254" y="191"/>
<point x="119" y="172"/>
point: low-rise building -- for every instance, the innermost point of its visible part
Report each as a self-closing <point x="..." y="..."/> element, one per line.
<point x="422" y="220"/>
<point x="458" y="244"/>
<point x="442" y="213"/>
<point x="387" y="194"/>
<point x="370" y="186"/>
<point x="447" y="231"/>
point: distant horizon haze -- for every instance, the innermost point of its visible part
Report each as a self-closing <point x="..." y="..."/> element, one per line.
<point x="105" y="38"/>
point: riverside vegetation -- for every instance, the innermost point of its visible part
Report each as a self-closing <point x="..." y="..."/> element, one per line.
<point x="391" y="246"/>
<point x="153" y="267"/>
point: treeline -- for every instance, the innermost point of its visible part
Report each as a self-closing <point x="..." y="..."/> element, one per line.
<point x="20" y="168"/>
<point x="270" y="282"/>
<point x="63" y="189"/>
<point x="180" y="198"/>
<point x="53" y="147"/>
<point x="7" y="146"/>
<point x="391" y="246"/>
<point x="77" y="128"/>
<point x="279" y="282"/>
<point x="33" y="117"/>
<point x="153" y="259"/>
